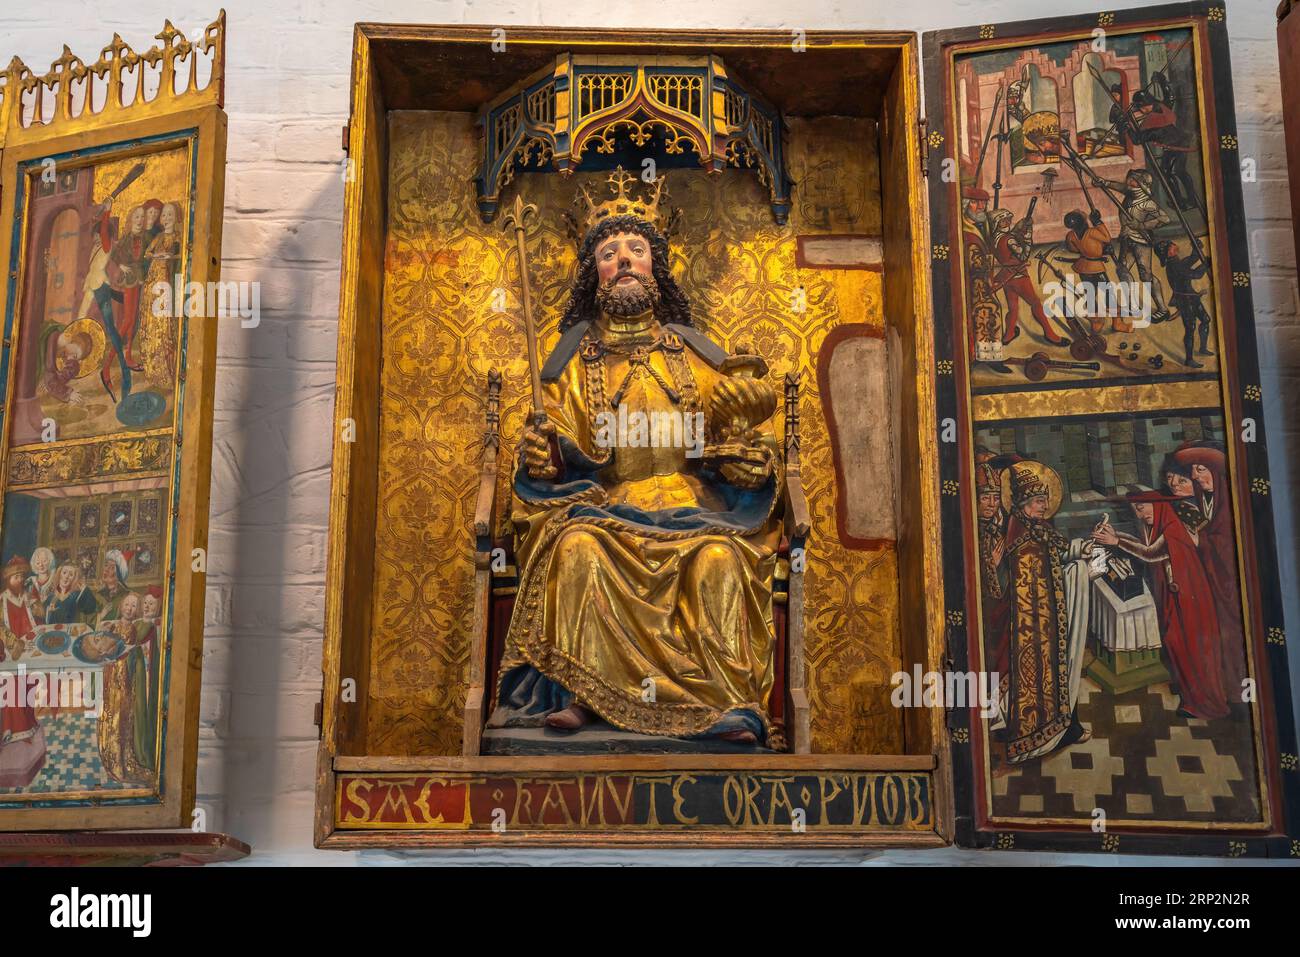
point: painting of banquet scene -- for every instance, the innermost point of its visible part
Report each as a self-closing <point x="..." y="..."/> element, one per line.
<point x="81" y="625"/>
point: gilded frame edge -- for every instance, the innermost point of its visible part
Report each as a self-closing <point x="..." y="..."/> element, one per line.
<point x="177" y="784"/>
<point x="1273" y="838"/>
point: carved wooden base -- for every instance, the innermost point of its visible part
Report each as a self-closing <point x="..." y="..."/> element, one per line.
<point x="119" y="848"/>
<point x="611" y="800"/>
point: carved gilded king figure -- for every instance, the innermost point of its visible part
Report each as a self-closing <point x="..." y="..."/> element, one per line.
<point x="646" y="508"/>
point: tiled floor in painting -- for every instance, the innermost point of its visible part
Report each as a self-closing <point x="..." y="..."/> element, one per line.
<point x="71" y="756"/>
<point x="1144" y="761"/>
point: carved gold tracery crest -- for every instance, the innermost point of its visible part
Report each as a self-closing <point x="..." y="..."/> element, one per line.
<point x="574" y="115"/>
<point x="120" y="85"/>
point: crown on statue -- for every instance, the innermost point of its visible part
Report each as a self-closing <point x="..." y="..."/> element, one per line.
<point x="650" y="207"/>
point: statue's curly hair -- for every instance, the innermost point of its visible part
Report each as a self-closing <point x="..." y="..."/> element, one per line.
<point x="673" y="306"/>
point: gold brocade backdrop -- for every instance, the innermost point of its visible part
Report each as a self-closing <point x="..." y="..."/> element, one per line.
<point x="441" y="336"/>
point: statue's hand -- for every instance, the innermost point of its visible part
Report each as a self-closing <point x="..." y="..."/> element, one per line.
<point x="536" y="449"/>
<point x="744" y="464"/>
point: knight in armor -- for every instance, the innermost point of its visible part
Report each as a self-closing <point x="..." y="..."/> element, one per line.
<point x="1141" y="216"/>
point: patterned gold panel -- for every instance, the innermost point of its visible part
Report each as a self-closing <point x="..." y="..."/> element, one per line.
<point x="107" y="458"/>
<point x="441" y="335"/>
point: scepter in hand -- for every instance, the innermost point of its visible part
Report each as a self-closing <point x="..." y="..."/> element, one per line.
<point x="519" y="219"/>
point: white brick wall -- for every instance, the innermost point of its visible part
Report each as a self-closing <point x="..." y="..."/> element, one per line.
<point x="287" y="96"/>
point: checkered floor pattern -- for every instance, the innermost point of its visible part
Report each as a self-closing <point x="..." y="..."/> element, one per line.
<point x="71" y="756"/>
<point x="1143" y="762"/>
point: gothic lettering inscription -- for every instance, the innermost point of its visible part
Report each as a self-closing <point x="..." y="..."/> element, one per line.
<point x="779" y="801"/>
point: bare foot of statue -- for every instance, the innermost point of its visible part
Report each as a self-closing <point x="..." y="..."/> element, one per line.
<point x="739" y="737"/>
<point x="570" y="719"/>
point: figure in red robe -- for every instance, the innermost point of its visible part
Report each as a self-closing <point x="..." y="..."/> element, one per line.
<point x="984" y="329"/>
<point x="126" y="273"/>
<point x="17" y="615"/>
<point x="1011" y="250"/>
<point x="995" y="601"/>
<point x="1216" y="543"/>
<point x="22" y="744"/>
<point x="1184" y="600"/>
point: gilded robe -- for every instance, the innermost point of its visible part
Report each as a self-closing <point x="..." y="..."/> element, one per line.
<point x="128" y="726"/>
<point x="645" y="579"/>
<point x="1047" y="627"/>
<point x="156" y="342"/>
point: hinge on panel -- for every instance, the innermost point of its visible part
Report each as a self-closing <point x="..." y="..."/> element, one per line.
<point x="952" y="713"/>
<point x="318" y="714"/>
<point x="923" y="145"/>
<point x="347" y="136"/>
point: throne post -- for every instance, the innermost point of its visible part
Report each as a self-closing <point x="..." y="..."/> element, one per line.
<point x="797" y="526"/>
<point x="484" y="523"/>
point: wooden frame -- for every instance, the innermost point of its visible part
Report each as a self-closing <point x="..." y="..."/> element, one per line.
<point x="1274" y="738"/>
<point x="346" y="775"/>
<point x="119" y="849"/>
<point x="128" y="124"/>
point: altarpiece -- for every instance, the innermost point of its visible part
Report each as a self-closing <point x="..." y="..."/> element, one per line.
<point x="926" y="457"/>
<point x="111" y="189"/>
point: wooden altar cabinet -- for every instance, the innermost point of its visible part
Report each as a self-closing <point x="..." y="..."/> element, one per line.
<point x="896" y="407"/>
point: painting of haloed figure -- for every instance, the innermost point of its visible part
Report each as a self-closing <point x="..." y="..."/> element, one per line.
<point x="81" y="626"/>
<point x="1111" y="611"/>
<point x="97" y="328"/>
<point x="1086" y="254"/>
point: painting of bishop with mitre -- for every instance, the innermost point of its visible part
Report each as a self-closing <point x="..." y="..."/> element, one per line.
<point x="648" y="508"/>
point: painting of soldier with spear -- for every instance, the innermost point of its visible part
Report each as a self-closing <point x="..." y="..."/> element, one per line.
<point x="1079" y="167"/>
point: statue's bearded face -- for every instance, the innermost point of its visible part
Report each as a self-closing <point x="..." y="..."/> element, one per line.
<point x="627" y="286"/>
